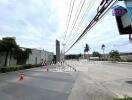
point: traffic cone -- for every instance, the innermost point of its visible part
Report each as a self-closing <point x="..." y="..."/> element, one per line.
<point x="21" y="76"/>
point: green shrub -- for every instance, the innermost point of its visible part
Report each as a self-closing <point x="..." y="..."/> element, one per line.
<point x="16" y="68"/>
<point x="125" y="98"/>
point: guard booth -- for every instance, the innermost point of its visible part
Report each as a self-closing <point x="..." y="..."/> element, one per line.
<point x="123" y="17"/>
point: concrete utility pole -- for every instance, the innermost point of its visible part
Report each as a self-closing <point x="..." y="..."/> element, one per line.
<point x="63" y="51"/>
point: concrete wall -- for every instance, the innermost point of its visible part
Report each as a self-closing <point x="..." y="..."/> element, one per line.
<point x="2" y="58"/>
<point x="10" y="60"/>
<point x="126" y="57"/>
<point x="39" y="56"/>
<point x="36" y="57"/>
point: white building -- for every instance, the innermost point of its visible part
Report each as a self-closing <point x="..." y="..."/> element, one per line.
<point x="36" y="57"/>
<point x="39" y="56"/>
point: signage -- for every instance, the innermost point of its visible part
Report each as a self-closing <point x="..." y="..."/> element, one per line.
<point x="118" y="11"/>
<point x="124" y="17"/>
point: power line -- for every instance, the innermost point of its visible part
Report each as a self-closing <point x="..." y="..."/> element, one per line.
<point x="82" y="19"/>
<point x="79" y="27"/>
<point x="77" y="15"/>
<point x="98" y="16"/>
<point x="75" y="37"/>
<point x="69" y="17"/>
<point x="67" y="21"/>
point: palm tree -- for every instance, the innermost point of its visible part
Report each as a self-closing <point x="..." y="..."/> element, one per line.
<point x="86" y="48"/>
<point x="103" y="48"/>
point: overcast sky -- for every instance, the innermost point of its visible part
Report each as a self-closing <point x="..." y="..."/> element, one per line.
<point x="38" y="23"/>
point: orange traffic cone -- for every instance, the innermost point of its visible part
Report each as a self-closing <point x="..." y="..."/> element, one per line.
<point x="21" y="76"/>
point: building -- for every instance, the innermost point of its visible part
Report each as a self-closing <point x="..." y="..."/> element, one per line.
<point x="126" y="56"/>
<point x="39" y="56"/>
<point x="36" y="57"/>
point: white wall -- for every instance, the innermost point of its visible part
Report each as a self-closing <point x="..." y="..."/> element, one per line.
<point x="37" y="56"/>
<point x="34" y="57"/>
<point x="10" y="59"/>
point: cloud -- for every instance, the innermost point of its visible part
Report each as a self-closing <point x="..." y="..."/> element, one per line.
<point x="38" y="23"/>
<point x="32" y="22"/>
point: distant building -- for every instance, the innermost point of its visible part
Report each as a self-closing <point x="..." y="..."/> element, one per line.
<point x="126" y="56"/>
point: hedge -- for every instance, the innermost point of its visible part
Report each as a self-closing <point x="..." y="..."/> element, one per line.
<point x="16" y="68"/>
<point x="126" y="98"/>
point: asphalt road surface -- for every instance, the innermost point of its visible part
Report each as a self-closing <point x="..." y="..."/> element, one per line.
<point x="90" y="81"/>
<point x="37" y="84"/>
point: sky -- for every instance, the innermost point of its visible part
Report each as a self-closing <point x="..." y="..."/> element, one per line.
<point x="38" y="23"/>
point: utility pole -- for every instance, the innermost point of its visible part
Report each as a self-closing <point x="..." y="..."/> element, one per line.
<point x="63" y="44"/>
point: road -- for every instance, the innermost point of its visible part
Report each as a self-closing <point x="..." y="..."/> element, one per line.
<point x="92" y="80"/>
<point x="101" y="80"/>
<point x="37" y="84"/>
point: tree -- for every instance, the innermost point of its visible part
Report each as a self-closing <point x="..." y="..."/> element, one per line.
<point x="96" y="54"/>
<point x="8" y="45"/>
<point x="72" y="56"/>
<point x="103" y="48"/>
<point x="22" y="55"/>
<point x="86" y="48"/>
<point x="114" y="55"/>
<point x="80" y="55"/>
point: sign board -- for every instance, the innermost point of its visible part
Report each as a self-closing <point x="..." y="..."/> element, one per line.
<point x="118" y="11"/>
<point x="124" y="17"/>
<point x="124" y="24"/>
